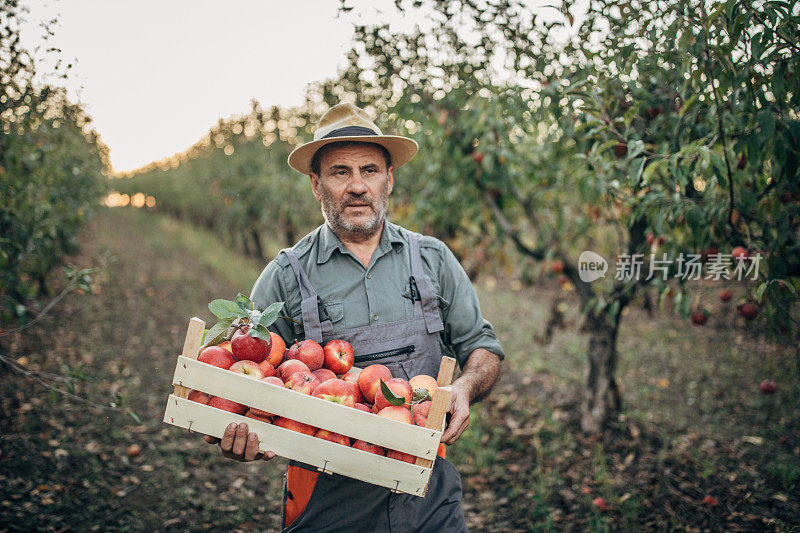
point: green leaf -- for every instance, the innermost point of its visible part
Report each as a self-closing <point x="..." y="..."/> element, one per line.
<point x="270" y="314"/>
<point x="760" y="291"/>
<point x="244" y="303"/>
<point x="421" y="395"/>
<point x="135" y="417"/>
<point x="260" y="332"/>
<point x="767" y="122"/>
<point x="391" y="398"/>
<point x="218" y="332"/>
<point x="226" y="309"/>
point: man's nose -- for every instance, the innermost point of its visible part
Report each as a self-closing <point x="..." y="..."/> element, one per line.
<point x="356" y="185"/>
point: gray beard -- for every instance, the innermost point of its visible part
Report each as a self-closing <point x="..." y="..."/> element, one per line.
<point x="344" y="228"/>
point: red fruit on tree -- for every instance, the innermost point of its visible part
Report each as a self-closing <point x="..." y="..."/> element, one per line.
<point x="725" y="295"/>
<point x="600" y="503"/>
<point x="477" y="157"/>
<point x="739" y="253"/>
<point x="699" y="318"/>
<point x="749" y="310"/>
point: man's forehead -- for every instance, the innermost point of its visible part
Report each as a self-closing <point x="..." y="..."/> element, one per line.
<point x="360" y="154"/>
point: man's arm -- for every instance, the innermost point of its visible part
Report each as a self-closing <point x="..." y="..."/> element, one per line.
<point x="478" y="376"/>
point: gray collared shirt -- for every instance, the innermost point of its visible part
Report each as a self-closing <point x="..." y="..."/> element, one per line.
<point x="355" y="295"/>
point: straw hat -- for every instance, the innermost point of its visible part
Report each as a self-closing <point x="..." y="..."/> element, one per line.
<point x="346" y="122"/>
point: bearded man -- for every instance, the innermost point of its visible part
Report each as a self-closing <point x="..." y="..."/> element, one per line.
<point x="399" y="298"/>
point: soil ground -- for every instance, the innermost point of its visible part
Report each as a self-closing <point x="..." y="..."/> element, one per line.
<point x="697" y="447"/>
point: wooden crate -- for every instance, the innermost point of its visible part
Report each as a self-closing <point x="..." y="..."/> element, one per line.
<point x="327" y="456"/>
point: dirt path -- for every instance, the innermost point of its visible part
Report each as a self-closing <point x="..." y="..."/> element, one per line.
<point x="66" y="464"/>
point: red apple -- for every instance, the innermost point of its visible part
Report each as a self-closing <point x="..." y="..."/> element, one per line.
<point x="650" y="239"/>
<point x="367" y="447"/>
<point x="248" y="368"/>
<point x="400" y="388"/>
<point x="477" y="157"/>
<point x="216" y="356"/>
<point x="198" y="396"/>
<point x="277" y="349"/>
<point x="600" y="503"/>
<point x="307" y="351"/>
<point x="424" y="381"/>
<point x="400" y="456"/>
<point x="363" y="407"/>
<point x="275" y="380"/>
<point x="338" y="356"/>
<point x="226" y="345"/>
<point x="352" y="379"/>
<point x="420" y="412"/>
<point x="288" y="368"/>
<point x="739" y="253"/>
<point x="257" y="414"/>
<point x="749" y="310"/>
<point x="557" y="266"/>
<point x="250" y="348"/>
<point x="768" y="387"/>
<point x="336" y="391"/>
<point x="227" y="405"/>
<point x="304" y="382"/>
<point x="725" y="295"/>
<point x="333" y="437"/>
<point x="267" y="368"/>
<point x="397" y="412"/>
<point x="323" y="374"/>
<point x="294" y="425"/>
<point x="369" y="380"/>
<point x="699" y="318"/>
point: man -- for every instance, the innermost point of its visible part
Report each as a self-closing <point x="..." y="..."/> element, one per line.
<point x="399" y="298"/>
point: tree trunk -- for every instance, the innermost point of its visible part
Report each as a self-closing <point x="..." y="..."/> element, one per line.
<point x="257" y="243"/>
<point x="601" y="399"/>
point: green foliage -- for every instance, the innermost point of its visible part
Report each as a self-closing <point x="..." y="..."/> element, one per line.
<point x="240" y="310"/>
<point x="654" y="117"/>
<point x="51" y="178"/>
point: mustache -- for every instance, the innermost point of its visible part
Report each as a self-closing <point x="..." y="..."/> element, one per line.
<point x="358" y="200"/>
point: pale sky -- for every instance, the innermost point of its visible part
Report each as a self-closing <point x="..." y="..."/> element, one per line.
<point x="156" y="75"/>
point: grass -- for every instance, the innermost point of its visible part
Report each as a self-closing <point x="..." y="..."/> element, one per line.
<point x="693" y="422"/>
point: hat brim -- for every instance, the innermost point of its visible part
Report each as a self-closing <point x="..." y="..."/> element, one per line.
<point x="401" y="149"/>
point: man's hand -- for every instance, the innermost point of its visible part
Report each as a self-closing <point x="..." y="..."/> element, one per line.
<point x="478" y="376"/>
<point x="238" y="444"/>
<point x="459" y="409"/>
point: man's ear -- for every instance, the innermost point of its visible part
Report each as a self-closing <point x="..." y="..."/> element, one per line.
<point x="315" y="186"/>
<point x="390" y="173"/>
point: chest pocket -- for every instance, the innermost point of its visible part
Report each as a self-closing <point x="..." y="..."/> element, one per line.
<point x="333" y="312"/>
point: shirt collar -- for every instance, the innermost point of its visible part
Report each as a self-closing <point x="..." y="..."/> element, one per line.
<point x="329" y="242"/>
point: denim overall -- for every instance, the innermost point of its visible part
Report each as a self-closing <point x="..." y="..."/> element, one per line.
<point x="407" y="347"/>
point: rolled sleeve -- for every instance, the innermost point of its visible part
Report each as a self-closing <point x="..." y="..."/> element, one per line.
<point x="465" y="329"/>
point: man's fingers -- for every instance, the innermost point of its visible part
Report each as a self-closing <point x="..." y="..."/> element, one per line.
<point x="240" y="441"/>
<point x="268" y="456"/>
<point x="251" y="450"/>
<point x="211" y="440"/>
<point x="227" y="438"/>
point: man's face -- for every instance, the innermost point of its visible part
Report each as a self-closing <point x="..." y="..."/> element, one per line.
<point x="353" y="187"/>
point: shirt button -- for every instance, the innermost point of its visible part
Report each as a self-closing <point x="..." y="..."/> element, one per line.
<point x="369" y="275"/>
<point x="374" y="318"/>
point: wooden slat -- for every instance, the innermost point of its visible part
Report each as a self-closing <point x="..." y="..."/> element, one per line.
<point x="390" y="434"/>
<point x="323" y="454"/>
<point x="191" y="348"/>
<point x="439" y="402"/>
<point x="446" y="368"/>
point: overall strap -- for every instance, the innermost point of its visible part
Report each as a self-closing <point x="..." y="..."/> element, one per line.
<point x="430" y="307"/>
<point x="310" y="299"/>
